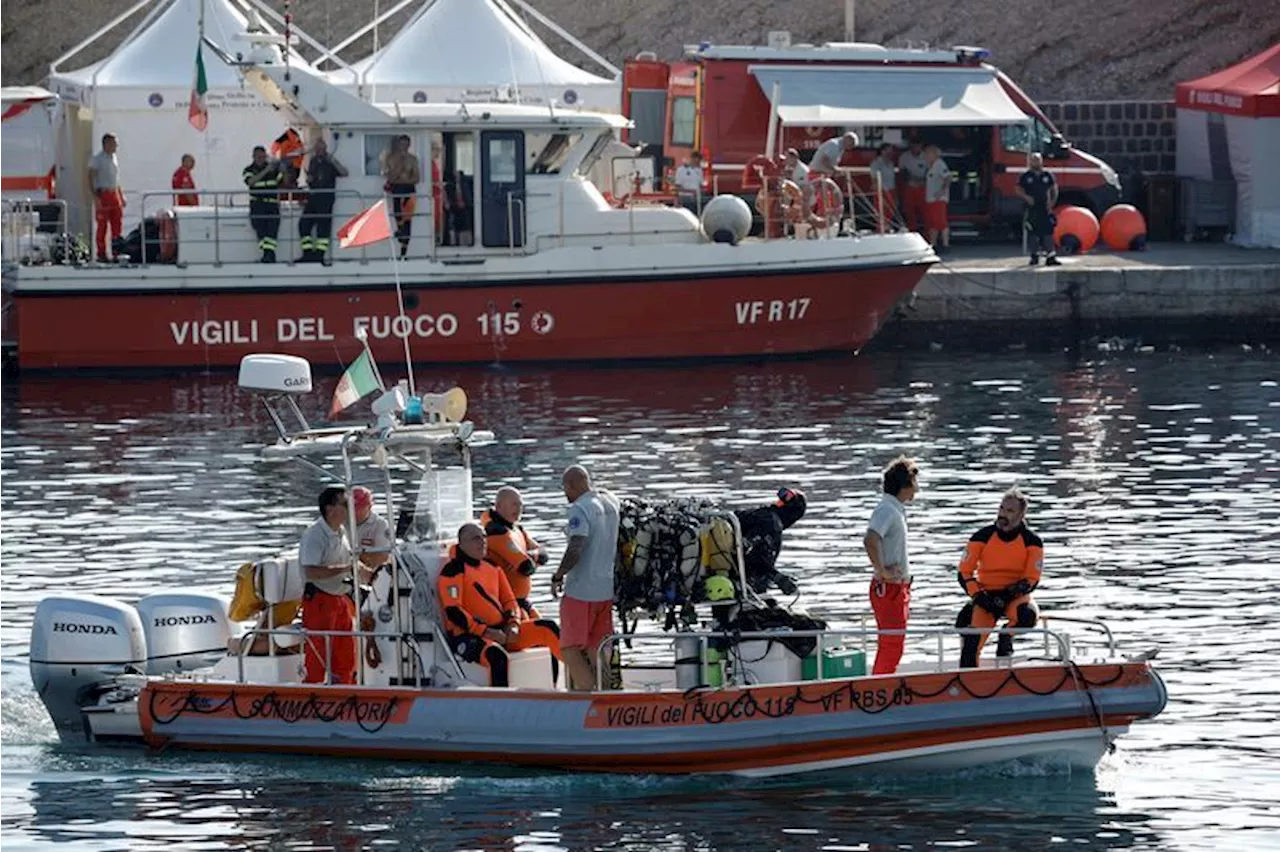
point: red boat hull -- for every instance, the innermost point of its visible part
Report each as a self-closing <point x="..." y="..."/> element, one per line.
<point x="799" y="311"/>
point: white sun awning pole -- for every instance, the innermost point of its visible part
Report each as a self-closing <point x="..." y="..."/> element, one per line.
<point x="772" y="139"/>
<point x="569" y="37"/>
<point x="106" y="28"/>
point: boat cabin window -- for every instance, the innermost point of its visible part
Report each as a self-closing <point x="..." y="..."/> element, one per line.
<point x="549" y="152"/>
<point x="376" y="146"/>
<point x="597" y="151"/>
<point x="684" y="116"/>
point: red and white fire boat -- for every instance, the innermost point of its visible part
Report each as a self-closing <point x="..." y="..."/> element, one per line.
<point x="531" y="262"/>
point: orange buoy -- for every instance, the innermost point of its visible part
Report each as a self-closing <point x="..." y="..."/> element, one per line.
<point x="1076" y="231"/>
<point x="1124" y="228"/>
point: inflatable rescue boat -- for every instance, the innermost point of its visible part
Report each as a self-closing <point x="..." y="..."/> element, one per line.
<point x="732" y="686"/>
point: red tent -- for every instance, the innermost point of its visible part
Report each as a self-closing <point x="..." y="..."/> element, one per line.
<point x="1250" y="88"/>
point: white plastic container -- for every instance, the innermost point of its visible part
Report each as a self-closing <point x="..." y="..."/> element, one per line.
<point x="763" y="661"/>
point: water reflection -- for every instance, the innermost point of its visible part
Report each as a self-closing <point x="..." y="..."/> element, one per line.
<point x="296" y="804"/>
<point x="1155" y="483"/>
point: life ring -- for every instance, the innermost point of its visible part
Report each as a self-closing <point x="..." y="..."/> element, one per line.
<point x="167" y="231"/>
<point x="813" y="132"/>
<point x="758" y="170"/>
<point x="828" y="201"/>
<point x="794" y="206"/>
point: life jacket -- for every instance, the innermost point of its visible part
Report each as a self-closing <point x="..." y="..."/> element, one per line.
<point x="509" y="547"/>
<point x="247" y="600"/>
<point x="475" y="596"/>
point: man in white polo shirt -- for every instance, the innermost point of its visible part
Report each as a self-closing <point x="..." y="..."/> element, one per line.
<point x="886" y="546"/>
<point x="326" y="600"/>
<point x="585" y="576"/>
<point x="108" y="197"/>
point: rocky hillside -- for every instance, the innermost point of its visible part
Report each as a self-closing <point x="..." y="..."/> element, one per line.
<point x="1056" y="51"/>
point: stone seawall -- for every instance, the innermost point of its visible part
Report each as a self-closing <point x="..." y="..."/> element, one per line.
<point x="1170" y="299"/>
<point x="1129" y="135"/>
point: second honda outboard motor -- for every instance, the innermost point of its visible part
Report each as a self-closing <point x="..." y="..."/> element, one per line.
<point x="762" y="530"/>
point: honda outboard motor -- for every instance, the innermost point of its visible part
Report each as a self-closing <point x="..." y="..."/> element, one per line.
<point x="79" y="643"/>
<point x="184" y="631"/>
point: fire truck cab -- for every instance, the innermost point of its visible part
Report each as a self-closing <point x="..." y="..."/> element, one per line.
<point x="719" y="100"/>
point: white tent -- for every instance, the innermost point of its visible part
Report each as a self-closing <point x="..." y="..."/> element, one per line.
<point x="1229" y="133"/>
<point x="475" y="50"/>
<point x="141" y="93"/>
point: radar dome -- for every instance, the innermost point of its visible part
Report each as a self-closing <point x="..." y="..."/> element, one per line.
<point x="726" y="219"/>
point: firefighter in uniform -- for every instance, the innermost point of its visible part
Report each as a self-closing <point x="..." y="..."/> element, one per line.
<point x="323" y="171"/>
<point x="1001" y="566"/>
<point x="262" y="176"/>
<point x="481" y="616"/>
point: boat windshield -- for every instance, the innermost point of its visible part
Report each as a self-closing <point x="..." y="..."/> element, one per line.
<point x="550" y="151"/>
<point x="597" y="151"/>
<point x="443" y="504"/>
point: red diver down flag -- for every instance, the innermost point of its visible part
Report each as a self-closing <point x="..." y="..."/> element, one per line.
<point x="371" y="226"/>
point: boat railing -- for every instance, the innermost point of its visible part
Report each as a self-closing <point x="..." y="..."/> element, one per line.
<point x="1057" y="645"/>
<point x="403" y="642"/>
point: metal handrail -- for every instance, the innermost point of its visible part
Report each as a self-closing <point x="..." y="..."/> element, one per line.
<point x="1062" y="641"/>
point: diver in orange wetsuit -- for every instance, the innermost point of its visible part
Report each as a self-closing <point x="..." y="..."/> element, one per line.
<point x="510" y="546"/>
<point x="1001" y="566"/>
<point x="481" y="616"/>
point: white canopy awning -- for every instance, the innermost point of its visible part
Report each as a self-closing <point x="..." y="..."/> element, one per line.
<point x="888" y="97"/>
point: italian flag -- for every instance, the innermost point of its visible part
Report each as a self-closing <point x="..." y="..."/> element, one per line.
<point x="198" y="112"/>
<point x="357" y="381"/>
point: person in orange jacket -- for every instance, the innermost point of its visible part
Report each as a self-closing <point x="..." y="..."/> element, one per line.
<point x="510" y="546"/>
<point x="480" y="613"/>
<point x="1000" y="569"/>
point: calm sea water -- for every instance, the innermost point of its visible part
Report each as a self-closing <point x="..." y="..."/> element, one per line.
<point x="1156" y="486"/>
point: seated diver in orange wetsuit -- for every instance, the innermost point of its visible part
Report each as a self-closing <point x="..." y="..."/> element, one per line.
<point x="480" y="613"/>
<point x="1001" y="567"/>
<point x="511" y="548"/>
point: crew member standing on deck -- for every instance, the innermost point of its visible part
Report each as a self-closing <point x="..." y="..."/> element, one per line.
<point x="911" y="163"/>
<point x="262" y="176"/>
<point x="883" y="180"/>
<point x="184" y="184"/>
<point x="327" y="605"/>
<point x="886" y="546"/>
<point x="937" y="193"/>
<point x="108" y="197"/>
<point x="323" y="171"/>
<point x="402" y="174"/>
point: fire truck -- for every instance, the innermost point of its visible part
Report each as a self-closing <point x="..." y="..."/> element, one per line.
<point x="719" y="100"/>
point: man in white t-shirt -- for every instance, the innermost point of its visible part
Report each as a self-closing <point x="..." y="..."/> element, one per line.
<point x="826" y="160"/>
<point x="688" y="181"/>
<point x="886" y="546"/>
<point x="586" y="575"/>
<point x="937" y="191"/>
<point x="911" y="163"/>
<point x="793" y="169"/>
<point x="108" y="197"/>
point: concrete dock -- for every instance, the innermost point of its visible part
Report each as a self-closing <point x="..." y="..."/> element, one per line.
<point x="987" y="295"/>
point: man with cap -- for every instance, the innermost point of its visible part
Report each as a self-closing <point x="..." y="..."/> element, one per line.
<point x="1039" y="191"/>
<point x="373" y="533"/>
